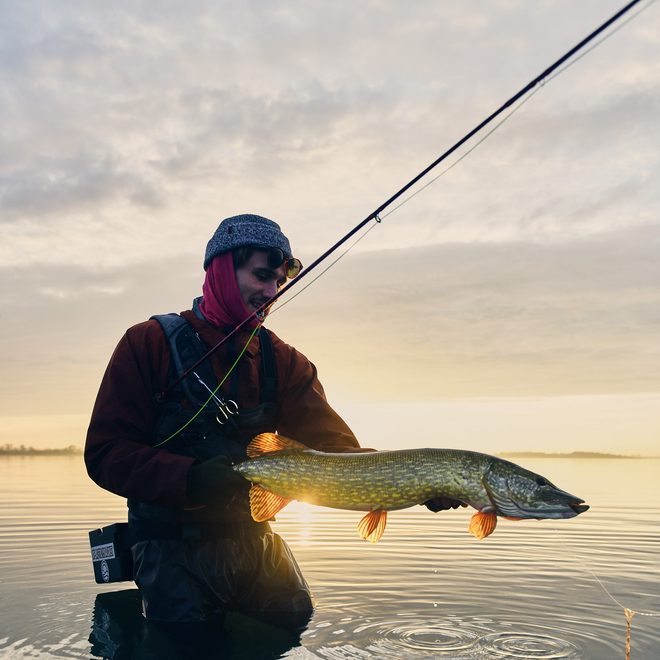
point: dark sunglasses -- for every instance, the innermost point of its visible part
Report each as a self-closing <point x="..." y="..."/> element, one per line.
<point x="276" y="258"/>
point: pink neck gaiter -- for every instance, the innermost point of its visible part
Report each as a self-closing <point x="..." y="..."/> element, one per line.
<point x="222" y="304"/>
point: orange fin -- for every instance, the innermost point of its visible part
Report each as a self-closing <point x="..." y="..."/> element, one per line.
<point x="264" y="504"/>
<point x="372" y="526"/>
<point x="265" y="443"/>
<point x="482" y="524"/>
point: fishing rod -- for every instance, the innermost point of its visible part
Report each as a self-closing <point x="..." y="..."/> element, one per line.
<point x="260" y="313"/>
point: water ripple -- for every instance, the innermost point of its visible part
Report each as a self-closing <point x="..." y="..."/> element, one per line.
<point x="409" y="639"/>
<point x="427" y="590"/>
<point x="528" y="645"/>
<point x="454" y="636"/>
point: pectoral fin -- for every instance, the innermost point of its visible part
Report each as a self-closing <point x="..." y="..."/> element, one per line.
<point x="264" y="504"/>
<point x="372" y="526"/>
<point x="482" y="524"/>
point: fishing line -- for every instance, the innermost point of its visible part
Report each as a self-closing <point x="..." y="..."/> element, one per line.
<point x="214" y="392"/>
<point x="621" y="605"/>
<point x="471" y="149"/>
<point x="325" y="270"/>
<point x="542" y="83"/>
<point x="467" y="153"/>
<point x="628" y="613"/>
<point x="407" y="199"/>
<point x="259" y="313"/>
<point x="600" y="41"/>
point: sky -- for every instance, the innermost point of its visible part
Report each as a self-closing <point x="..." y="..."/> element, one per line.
<point x="514" y="304"/>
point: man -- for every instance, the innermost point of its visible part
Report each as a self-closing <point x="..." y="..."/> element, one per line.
<point x="198" y="553"/>
<point x="166" y="442"/>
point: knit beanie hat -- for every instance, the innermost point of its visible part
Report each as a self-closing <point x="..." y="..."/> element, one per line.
<point x="246" y="229"/>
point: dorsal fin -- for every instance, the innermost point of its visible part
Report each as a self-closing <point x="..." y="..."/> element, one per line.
<point x="265" y="443"/>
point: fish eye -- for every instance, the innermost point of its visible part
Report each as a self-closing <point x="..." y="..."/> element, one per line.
<point x="541" y="481"/>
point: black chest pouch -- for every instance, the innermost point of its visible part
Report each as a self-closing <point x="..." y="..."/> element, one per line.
<point x="194" y="419"/>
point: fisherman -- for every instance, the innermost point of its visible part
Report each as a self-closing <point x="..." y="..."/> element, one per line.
<point x="197" y="553"/>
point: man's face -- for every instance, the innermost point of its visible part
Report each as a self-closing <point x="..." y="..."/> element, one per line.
<point x="257" y="281"/>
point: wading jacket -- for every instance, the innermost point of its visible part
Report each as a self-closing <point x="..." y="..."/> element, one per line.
<point x="119" y="452"/>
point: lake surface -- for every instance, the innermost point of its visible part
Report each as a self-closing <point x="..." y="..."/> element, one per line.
<point x="534" y="589"/>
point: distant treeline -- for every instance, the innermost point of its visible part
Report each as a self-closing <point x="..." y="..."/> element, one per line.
<point x="573" y="454"/>
<point x="22" y="450"/>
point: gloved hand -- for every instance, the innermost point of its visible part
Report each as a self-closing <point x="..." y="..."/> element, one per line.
<point x="213" y="479"/>
<point x="442" y="504"/>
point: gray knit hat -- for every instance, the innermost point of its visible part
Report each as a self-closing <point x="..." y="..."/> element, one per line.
<point x="246" y="229"/>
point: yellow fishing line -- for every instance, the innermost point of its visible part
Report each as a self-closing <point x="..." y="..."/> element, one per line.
<point x="627" y="612"/>
<point x="233" y="366"/>
<point x="621" y="605"/>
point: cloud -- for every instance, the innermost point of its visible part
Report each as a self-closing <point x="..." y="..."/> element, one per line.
<point x="53" y="187"/>
<point x="128" y="126"/>
<point x="127" y="131"/>
<point x="422" y="324"/>
<point x="480" y="319"/>
<point x="61" y="324"/>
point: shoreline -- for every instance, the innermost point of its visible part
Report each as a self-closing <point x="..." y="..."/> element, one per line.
<point x="72" y="450"/>
<point x="22" y="450"/>
<point x="574" y="454"/>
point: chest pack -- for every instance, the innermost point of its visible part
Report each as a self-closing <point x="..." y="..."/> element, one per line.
<point x="193" y="421"/>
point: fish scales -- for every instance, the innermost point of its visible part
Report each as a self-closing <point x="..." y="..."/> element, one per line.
<point x="282" y="469"/>
<point x="387" y="480"/>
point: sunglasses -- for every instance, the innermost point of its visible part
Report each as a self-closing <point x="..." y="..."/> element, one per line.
<point x="276" y="258"/>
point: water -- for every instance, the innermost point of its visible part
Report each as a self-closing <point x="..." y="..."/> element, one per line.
<point x="426" y="590"/>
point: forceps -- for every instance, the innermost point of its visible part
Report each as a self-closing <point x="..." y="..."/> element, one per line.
<point x="225" y="408"/>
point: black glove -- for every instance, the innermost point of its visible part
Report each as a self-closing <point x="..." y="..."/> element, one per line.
<point x="213" y="479"/>
<point x="442" y="504"/>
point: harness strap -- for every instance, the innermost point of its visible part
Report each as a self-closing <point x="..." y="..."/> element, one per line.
<point x="186" y="347"/>
<point x="268" y="392"/>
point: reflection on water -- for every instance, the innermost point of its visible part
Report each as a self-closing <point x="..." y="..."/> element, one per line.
<point x="120" y="632"/>
<point x="426" y="590"/>
<point x="117" y="624"/>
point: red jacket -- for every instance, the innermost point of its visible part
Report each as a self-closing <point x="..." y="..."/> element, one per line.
<point x="118" y="451"/>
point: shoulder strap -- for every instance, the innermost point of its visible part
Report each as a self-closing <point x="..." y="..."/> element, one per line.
<point x="268" y="389"/>
<point x="186" y="347"/>
<point x="172" y="325"/>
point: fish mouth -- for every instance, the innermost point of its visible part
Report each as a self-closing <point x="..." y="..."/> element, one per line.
<point x="567" y="509"/>
<point x="513" y="510"/>
<point x="560" y="510"/>
<point x="552" y="504"/>
<point x="543" y="511"/>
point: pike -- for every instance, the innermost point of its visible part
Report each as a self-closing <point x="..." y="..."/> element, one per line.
<point x="282" y="470"/>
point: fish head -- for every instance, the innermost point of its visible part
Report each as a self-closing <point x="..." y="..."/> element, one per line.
<point x="519" y="493"/>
